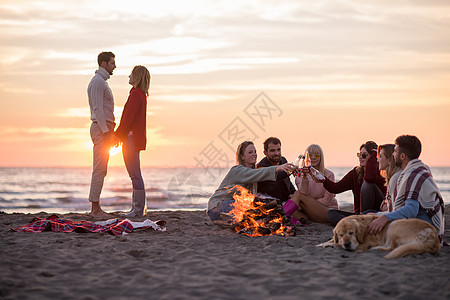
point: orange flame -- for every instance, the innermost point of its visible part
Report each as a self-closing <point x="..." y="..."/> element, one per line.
<point x="253" y="218"/>
<point x="242" y="202"/>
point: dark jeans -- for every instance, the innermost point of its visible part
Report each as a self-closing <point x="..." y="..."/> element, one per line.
<point x="371" y="197"/>
<point x="132" y="163"/>
<point x="224" y="206"/>
<point x="335" y="215"/>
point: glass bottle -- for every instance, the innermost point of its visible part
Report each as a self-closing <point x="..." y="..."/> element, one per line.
<point x="306" y="162"/>
<point x="296" y="162"/>
<point x="316" y="175"/>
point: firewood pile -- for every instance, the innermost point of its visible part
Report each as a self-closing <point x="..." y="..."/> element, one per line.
<point x="259" y="215"/>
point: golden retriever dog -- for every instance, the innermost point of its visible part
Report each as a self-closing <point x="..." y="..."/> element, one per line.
<point x="402" y="237"/>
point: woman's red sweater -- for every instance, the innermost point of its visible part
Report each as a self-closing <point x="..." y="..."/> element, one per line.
<point x="134" y="118"/>
<point x="350" y="182"/>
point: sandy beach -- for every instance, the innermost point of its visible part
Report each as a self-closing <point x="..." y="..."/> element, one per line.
<point x="195" y="259"/>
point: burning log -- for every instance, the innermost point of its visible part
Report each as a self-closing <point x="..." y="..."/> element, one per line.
<point x="258" y="216"/>
<point x="255" y="231"/>
<point x="274" y="226"/>
<point x="260" y="200"/>
<point x="255" y="212"/>
<point x="270" y="218"/>
<point x="268" y="206"/>
<point x="285" y="220"/>
<point x="265" y="209"/>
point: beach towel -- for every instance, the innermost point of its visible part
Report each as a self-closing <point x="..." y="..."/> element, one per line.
<point x="112" y="226"/>
<point x="416" y="183"/>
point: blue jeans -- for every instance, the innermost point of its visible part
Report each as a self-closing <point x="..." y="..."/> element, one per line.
<point x="132" y="163"/>
<point x="223" y="206"/>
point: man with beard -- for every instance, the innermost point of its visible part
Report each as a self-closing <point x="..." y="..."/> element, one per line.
<point x="416" y="194"/>
<point x="282" y="188"/>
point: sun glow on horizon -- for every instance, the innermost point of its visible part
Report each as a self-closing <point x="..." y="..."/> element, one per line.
<point x="341" y="72"/>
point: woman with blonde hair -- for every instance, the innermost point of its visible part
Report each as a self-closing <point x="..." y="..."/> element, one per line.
<point x="132" y="133"/>
<point x="244" y="174"/>
<point x="312" y="200"/>
<point x="390" y="171"/>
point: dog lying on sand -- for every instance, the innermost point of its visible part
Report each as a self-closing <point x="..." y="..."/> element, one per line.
<point x="401" y="237"/>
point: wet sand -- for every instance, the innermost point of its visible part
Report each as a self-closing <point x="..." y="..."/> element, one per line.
<point x="195" y="259"/>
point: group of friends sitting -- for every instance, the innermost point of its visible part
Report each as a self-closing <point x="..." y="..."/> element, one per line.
<point x="389" y="181"/>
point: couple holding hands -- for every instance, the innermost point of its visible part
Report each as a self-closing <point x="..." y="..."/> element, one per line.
<point x="131" y="131"/>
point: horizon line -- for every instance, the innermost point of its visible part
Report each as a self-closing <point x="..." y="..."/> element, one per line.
<point x="170" y="167"/>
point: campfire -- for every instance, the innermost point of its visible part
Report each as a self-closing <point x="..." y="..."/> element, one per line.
<point x="258" y="215"/>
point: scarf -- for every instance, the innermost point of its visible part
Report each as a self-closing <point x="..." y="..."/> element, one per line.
<point x="416" y="183"/>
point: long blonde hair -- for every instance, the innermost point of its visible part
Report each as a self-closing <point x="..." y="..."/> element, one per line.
<point x="141" y="77"/>
<point x="240" y="151"/>
<point x="392" y="168"/>
<point x="316" y="149"/>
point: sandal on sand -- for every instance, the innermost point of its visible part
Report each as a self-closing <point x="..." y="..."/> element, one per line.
<point x="289" y="207"/>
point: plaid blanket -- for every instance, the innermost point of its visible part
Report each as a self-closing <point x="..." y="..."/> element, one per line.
<point x="416" y="183"/>
<point x="112" y="226"/>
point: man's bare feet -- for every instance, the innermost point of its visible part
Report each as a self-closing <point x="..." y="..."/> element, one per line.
<point x="98" y="212"/>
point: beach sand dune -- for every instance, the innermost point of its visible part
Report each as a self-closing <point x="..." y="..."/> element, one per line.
<point x="195" y="259"/>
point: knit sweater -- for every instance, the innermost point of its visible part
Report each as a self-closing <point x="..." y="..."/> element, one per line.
<point x="318" y="192"/>
<point x="134" y="119"/>
<point x="101" y="100"/>
<point x="243" y="176"/>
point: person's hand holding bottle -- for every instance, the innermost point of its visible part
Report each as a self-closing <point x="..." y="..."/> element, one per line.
<point x="316" y="175"/>
<point x="287" y="167"/>
<point x="305" y="171"/>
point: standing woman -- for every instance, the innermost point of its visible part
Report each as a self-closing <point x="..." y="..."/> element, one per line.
<point x="312" y="200"/>
<point x="132" y="133"/>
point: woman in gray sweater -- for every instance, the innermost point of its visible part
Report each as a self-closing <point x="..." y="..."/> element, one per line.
<point x="243" y="174"/>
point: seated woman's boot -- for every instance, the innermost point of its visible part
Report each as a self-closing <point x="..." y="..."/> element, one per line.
<point x="289" y="207"/>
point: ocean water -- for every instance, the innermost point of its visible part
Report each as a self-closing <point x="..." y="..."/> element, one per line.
<point x="63" y="190"/>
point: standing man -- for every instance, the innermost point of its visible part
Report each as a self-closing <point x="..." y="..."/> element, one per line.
<point x="101" y="103"/>
<point x="282" y="188"/>
<point x="416" y="194"/>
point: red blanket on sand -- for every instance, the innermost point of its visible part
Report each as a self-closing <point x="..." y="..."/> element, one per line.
<point x="54" y="223"/>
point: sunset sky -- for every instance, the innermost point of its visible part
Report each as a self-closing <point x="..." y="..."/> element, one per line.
<point x="334" y="73"/>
